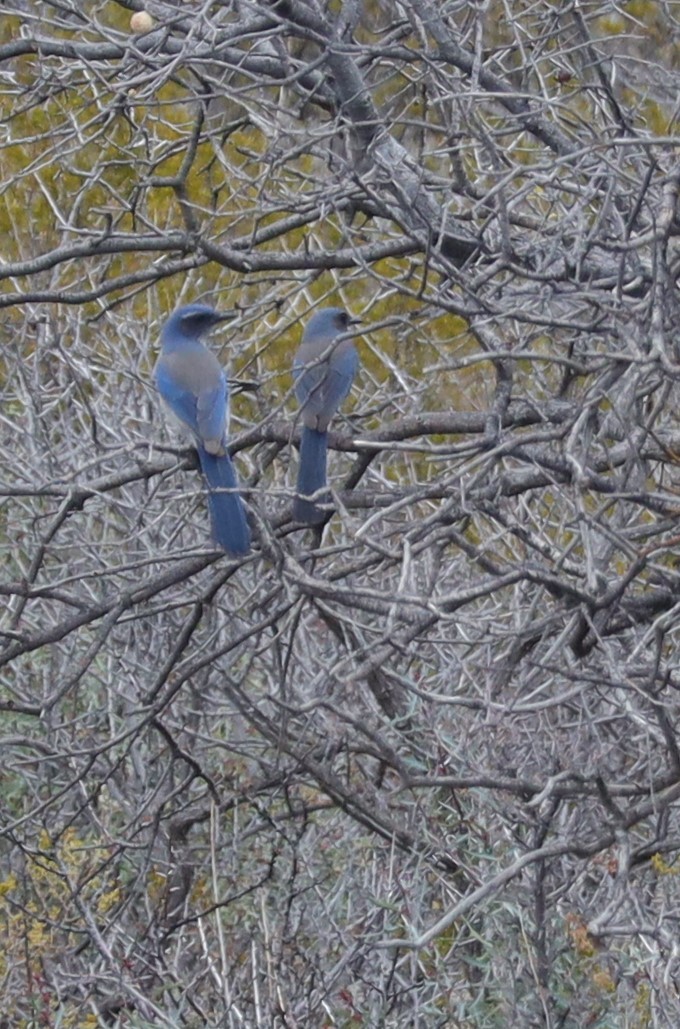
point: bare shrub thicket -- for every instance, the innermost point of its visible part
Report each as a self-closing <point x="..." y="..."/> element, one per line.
<point x="420" y="768"/>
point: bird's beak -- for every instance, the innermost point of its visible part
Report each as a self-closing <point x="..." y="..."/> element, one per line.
<point x="353" y="320"/>
<point x="226" y="316"/>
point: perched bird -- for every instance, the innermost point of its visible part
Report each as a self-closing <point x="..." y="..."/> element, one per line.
<point x="193" y="385"/>
<point x="324" y="367"/>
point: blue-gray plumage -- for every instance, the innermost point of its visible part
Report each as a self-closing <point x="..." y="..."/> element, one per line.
<point x="191" y="381"/>
<point x="324" y="368"/>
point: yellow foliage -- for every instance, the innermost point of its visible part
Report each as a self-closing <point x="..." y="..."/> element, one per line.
<point x="38" y="936"/>
<point x="603" y="980"/>
<point x="108" y="900"/>
<point x="156" y="883"/>
<point x="661" y="867"/>
<point x="9" y="884"/>
<point x="643" y="999"/>
<point x="60" y="868"/>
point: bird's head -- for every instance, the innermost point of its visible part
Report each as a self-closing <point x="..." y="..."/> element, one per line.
<point x="193" y="320"/>
<point x="328" y="323"/>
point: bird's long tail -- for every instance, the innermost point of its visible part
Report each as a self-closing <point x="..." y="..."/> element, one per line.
<point x="227" y="514"/>
<point x="311" y="477"/>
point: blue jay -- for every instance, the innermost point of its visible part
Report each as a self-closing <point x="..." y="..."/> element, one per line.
<point x="323" y="368"/>
<point x="191" y="382"/>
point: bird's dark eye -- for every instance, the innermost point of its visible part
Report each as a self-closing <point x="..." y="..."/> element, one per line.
<point x="343" y="319"/>
<point x="193" y="321"/>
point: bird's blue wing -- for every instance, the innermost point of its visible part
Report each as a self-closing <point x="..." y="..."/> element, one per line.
<point x="321" y="388"/>
<point x="212" y="410"/>
<point x="205" y="413"/>
<point x="181" y="401"/>
<point x="308" y="380"/>
<point x="338" y="381"/>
